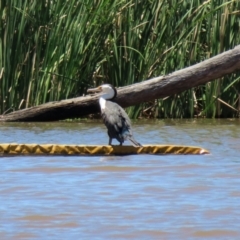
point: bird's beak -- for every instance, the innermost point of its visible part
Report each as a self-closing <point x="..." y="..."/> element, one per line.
<point x="94" y="90"/>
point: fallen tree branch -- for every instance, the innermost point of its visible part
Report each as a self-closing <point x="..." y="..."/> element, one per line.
<point x="159" y="87"/>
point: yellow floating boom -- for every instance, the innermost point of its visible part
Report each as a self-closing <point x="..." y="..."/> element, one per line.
<point x="7" y="149"/>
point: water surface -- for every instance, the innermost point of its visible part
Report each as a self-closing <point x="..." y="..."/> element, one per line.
<point x="127" y="197"/>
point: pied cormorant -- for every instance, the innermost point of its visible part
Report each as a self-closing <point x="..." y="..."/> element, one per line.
<point x="114" y="117"/>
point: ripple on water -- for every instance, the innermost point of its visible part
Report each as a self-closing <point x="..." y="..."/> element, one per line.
<point x="127" y="197"/>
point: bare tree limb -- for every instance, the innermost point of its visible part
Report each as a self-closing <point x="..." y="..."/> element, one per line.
<point x="159" y="87"/>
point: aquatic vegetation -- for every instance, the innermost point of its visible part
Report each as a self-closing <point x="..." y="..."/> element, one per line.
<point x="53" y="50"/>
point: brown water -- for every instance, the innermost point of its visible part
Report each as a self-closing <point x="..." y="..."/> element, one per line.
<point x="128" y="197"/>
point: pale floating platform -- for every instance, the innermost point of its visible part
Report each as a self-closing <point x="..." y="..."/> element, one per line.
<point x="13" y="149"/>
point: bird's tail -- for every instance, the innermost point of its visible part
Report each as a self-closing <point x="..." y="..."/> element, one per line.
<point x="134" y="142"/>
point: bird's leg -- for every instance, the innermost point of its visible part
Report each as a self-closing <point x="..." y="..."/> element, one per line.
<point x="120" y="144"/>
<point x="110" y="141"/>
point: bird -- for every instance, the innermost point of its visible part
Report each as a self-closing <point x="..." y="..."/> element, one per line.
<point x="114" y="117"/>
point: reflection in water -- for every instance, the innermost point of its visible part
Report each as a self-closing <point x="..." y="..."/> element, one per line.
<point x="127" y="197"/>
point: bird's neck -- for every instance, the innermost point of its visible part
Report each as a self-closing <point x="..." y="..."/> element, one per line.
<point x="104" y="98"/>
<point x="102" y="102"/>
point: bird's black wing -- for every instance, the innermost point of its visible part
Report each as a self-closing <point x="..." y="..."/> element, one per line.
<point x="116" y="120"/>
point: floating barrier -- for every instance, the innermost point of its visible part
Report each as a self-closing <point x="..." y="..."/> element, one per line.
<point x="12" y="149"/>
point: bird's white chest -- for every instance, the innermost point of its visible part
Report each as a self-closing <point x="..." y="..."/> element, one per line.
<point x="102" y="103"/>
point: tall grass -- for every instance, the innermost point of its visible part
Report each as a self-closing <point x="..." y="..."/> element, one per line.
<point x="50" y="49"/>
<point x="53" y="50"/>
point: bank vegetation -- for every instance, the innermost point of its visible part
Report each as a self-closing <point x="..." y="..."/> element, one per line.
<point x="55" y="50"/>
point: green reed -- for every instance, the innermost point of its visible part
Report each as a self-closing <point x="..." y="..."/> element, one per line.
<point x="53" y="50"/>
<point x="49" y="51"/>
